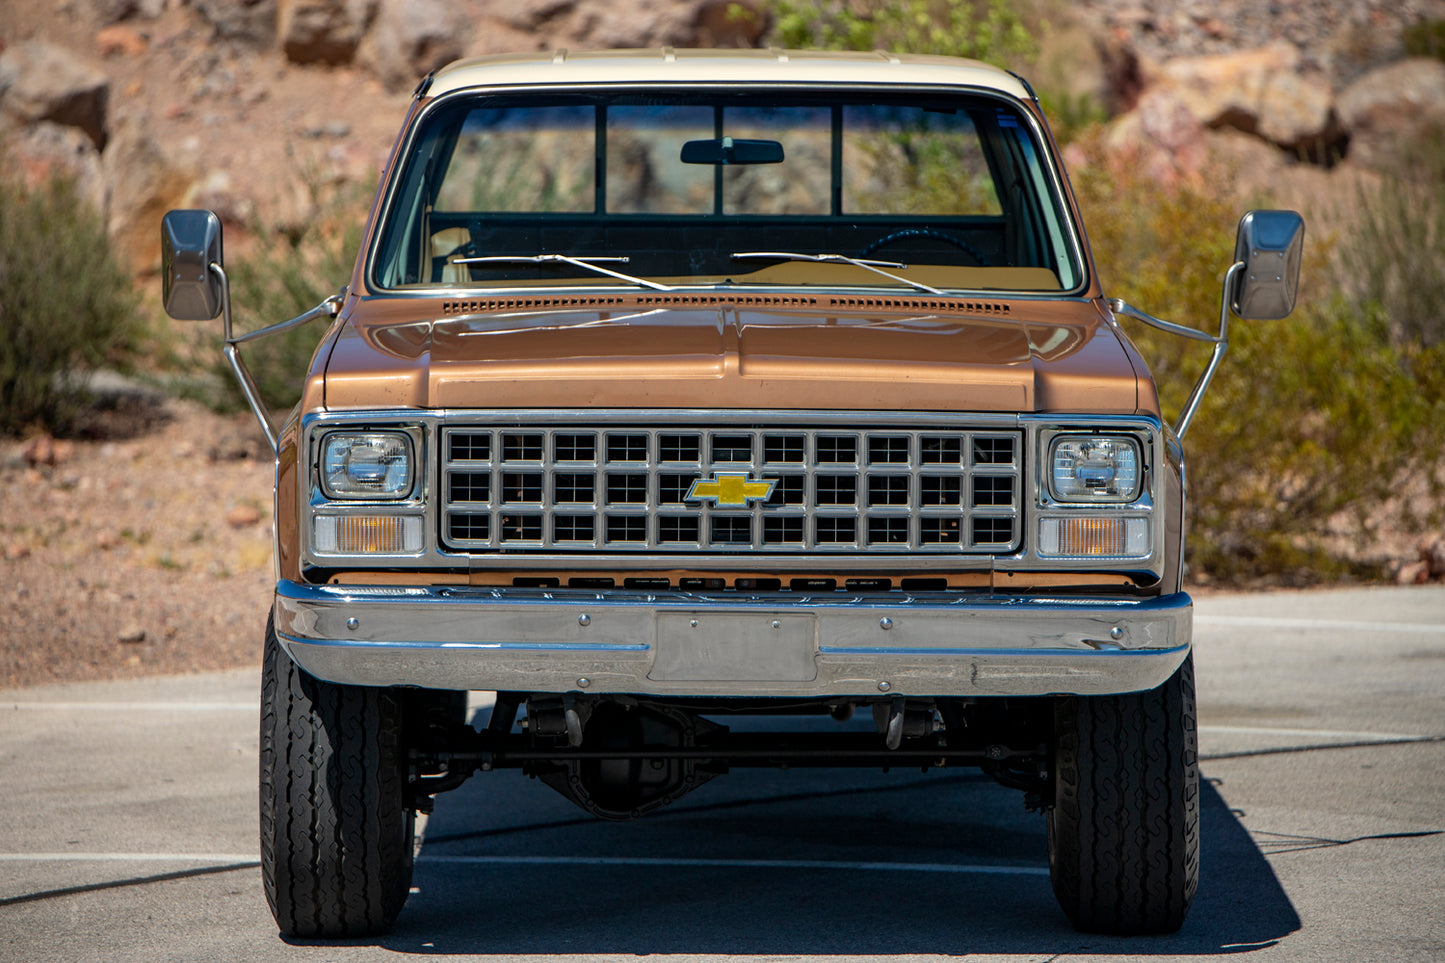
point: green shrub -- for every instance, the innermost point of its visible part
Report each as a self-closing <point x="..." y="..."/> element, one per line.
<point x="1425" y="39"/>
<point x="67" y="306"/>
<point x="1071" y="115"/>
<point x="987" y="30"/>
<point x="1394" y="255"/>
<point x="1312" y="423"/>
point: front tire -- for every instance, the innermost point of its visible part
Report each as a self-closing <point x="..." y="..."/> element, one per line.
<point x="336" y="832"/>
<point x="1124" y="828"/>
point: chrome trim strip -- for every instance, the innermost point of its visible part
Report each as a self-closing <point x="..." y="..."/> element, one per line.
<point x="539" y="646"/>
<point x="745" y="561"/>
<point x="526" y="417"/>
<point x="924" y="644"/>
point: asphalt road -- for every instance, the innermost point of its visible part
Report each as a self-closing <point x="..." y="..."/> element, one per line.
<point x="128" y="815"/>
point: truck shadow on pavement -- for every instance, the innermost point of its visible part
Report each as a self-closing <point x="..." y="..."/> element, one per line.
<point x="801" y="862"/>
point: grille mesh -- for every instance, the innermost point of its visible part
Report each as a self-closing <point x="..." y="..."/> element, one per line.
<point x="625" y="489"/>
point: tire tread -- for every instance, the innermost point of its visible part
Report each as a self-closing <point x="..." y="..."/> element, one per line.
<point x="336" y="835"/>
<point x="1124" y="829"/>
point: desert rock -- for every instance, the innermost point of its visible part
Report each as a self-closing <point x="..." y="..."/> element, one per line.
<point x="1388" y="107"/>
<point x="323" y="31"/>
<point x="43" y="82"/>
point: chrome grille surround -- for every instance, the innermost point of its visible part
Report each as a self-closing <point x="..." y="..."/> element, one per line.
<point x="622" y="488"/>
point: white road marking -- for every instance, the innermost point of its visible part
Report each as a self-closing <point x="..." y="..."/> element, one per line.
<point x="1251" y="621"/>
<point x="218" y="858"/>
<point x="1321" y="733"/>
<point x="137" y="706"/>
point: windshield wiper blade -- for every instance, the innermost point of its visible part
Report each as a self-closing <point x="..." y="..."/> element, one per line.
<point x="868" y="265"/>
<point x="587" y="263"/>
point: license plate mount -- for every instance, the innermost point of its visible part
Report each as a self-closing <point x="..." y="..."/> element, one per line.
<point x="732" y="647"/>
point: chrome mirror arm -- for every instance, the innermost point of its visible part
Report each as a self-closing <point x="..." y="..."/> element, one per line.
<point x="232" y="349"/>
<point x="1220" y="342"/>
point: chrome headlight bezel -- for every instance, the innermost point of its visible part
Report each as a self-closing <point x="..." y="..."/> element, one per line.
<point x="1118" y="454"/>
<point x="387" y="471"/>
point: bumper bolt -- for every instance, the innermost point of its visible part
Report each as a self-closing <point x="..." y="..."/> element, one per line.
<point x="584" y="619"/>
<point x="1116" y="633"/>
<point x="353" y="623"/>
<point x="884" y="687"/>
<point x="583" y="682"/>
<point x="885" y="623"/>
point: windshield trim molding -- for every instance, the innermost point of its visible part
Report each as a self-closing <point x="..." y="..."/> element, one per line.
<point x="1072" y="229"/>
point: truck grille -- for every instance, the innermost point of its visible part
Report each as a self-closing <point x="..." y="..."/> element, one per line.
<point x="709" y="489"/>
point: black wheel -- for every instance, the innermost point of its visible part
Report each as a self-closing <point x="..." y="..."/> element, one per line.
<point x="336" y="833"/>
<point x="1124" y="828"/>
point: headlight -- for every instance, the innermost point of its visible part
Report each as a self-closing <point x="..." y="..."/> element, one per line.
<point x="1094" y="468"/>
<point x="372" y="464"/>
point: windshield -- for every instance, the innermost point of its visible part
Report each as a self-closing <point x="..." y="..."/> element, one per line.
<point x="664" y="189"/>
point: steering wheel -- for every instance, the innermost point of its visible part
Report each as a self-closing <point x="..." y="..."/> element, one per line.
<point x="933" y="235"/>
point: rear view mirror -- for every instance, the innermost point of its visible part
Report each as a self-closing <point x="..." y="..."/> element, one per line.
<point x="1270" y="245"/>
<point x="726" y="150"/>
<point x="190" y="243"/>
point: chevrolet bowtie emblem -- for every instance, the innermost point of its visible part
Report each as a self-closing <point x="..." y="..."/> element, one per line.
<point x="729" y="489"/>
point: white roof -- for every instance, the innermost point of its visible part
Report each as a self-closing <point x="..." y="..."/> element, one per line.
<point x="667" y="65"/>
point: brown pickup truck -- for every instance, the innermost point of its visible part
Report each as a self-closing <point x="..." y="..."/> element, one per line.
<point x="674" y="387"/>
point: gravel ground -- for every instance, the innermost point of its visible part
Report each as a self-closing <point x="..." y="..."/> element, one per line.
<point x="144" y="552"/>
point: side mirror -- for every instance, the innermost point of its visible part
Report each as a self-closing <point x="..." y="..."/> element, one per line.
<point x="190" y="243"/>
<point x="1270" y="244"/>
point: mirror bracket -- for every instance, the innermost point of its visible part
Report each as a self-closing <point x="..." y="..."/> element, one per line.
<point x="1220" y="341"/>
<point x="232" y="348"/>
<point x="1261" y="284"/>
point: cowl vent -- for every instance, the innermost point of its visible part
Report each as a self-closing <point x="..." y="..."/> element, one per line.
<point x="785" y="301"/>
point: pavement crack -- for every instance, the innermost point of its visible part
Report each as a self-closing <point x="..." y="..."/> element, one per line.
<point x="1280" y="843"/>
<point x="1317" y="747"/>
<point x="121" y="883"/>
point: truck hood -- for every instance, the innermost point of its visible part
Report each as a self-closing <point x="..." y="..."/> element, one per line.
<point x="1000" y="356"/>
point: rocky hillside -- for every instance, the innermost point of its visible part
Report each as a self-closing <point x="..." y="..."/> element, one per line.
<point x="245" y="106"/>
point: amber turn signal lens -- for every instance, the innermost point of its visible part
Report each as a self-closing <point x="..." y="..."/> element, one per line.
<point x="1094" y="537"/>
<point x="367" y="534"/>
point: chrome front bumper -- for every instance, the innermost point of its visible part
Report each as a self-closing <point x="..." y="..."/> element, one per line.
<point x="725" y="644"/>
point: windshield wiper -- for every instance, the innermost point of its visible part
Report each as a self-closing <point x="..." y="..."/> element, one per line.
<point x="868" y="265"/>
<point x="587" y="263"/>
